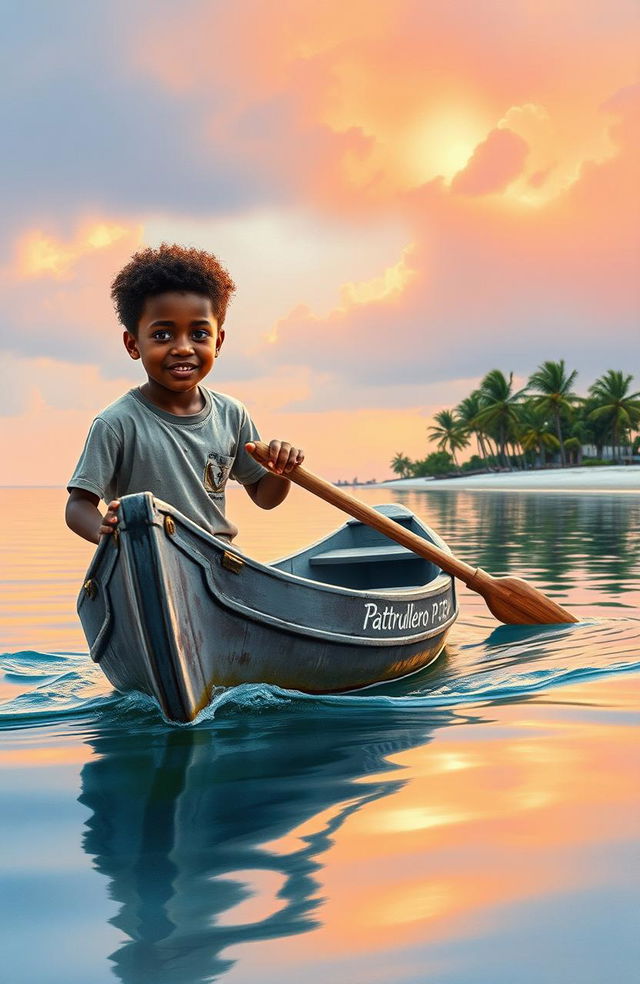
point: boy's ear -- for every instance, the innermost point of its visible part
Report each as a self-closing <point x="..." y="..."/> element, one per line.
<point x="131" y="344"/>
<point x="219" y="340"/>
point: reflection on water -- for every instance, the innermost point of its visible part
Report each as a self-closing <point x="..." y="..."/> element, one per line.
<point x="476" y="822"/>
<point x="387" y="838"/>
<point x="560" y="542"/>
<point x="531" y="805"/>
<point x="179" y="815"/>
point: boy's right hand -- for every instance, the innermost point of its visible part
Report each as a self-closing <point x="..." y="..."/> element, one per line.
<point x="110" y="519"/>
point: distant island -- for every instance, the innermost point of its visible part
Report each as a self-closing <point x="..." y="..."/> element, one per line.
<point x="356" y="481"/>
<point x="544" y="424"/>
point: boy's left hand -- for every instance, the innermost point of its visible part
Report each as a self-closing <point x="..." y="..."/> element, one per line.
<point x="283" y="457"/>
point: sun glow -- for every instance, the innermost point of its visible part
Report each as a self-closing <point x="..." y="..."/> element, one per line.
<point x="441" y="145"/>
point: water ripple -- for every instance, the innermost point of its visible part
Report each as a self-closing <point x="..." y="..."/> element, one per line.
<point x="478" y="666"/>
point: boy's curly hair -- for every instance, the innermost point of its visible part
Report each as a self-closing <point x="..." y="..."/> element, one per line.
<point x="169" y="267"/>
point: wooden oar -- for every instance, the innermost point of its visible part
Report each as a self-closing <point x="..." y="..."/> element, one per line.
<point x="510" y="599"/>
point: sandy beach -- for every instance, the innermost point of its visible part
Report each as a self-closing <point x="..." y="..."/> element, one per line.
<point x="616" y="478"/>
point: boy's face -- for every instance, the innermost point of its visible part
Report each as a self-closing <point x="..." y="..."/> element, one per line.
<point x="178" y="340"/>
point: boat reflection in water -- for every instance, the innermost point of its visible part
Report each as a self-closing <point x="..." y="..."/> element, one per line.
<point x="183" y="819"/>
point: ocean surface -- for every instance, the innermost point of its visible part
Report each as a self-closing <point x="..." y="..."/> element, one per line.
<point x="477" y="823"/>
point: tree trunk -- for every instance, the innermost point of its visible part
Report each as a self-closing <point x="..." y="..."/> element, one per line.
<point x="563" y="460"/>
<point x="481" y="447"/>
<point x="490" y="451"/>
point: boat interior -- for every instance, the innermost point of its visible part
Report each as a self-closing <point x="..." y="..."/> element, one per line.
<point x="359" y="557"/>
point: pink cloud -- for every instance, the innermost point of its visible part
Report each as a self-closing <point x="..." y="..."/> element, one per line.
<point x="505" y="285"/>
<point x="539" y="178"/>
<point x="347" y="93"/>
<point x="496" y="162"/>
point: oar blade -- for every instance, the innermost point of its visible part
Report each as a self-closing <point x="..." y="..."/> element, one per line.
<point x="515" y="602"/>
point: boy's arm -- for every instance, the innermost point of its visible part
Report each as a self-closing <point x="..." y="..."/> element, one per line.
<point x="84" y="518"/>
<point x="270" y="490"/>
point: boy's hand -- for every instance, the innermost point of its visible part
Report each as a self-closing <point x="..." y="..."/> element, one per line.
<point x="283" y="457"/>
<point x="278" y="458"/>
<point x="110" y="520"/>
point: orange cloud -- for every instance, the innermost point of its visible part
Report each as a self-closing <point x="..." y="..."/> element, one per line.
<point x="390" y="284"/>
<point x="41" y="255"/>
<point x="492" y="275"/>
<point x="379" y="291"/>
<point x="383" y="103"/>
<point x="495" y="163"/>
<point x="65" y="312"/>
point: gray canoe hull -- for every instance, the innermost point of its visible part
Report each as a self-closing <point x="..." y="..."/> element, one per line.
<point x="174" y="612"/>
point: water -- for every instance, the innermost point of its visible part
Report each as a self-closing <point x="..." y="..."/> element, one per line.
<point x="477" y="822"/>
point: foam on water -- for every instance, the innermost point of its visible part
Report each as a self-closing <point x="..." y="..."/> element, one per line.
<point x="508" y="663"/>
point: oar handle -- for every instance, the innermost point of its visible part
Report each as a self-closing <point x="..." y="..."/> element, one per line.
<point x="509" y="598"/>
<point x="359" y="510"/>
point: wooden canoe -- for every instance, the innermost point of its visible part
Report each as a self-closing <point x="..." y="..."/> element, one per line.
<point x="174" y="612"/>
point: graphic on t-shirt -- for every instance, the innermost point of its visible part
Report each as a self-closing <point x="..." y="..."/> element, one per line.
<point x="216" y="471"/>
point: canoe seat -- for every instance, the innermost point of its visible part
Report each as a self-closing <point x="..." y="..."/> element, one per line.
<point x="361" y="555"/>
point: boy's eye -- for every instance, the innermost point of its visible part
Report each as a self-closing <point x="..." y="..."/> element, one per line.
<point x="162" y="335"/>
<point x="200" y="333"/>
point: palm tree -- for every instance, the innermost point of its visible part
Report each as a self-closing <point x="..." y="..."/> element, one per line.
<point x="615" y="405"/>
<point x="589" y="430"/>
<point x="401" y="465"/>
<point x="500" y="408"/>
<point x="573" y="446"/>
<point x="449" y="433"/>
<point x="557" y="397"/>
<point x="534" y="432"/>
<point x="467" y="412"/>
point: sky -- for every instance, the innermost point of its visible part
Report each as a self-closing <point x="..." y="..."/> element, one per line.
<point x="407" y="193"/>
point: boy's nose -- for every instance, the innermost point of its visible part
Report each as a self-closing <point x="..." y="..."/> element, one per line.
<point x="183" y="344"/>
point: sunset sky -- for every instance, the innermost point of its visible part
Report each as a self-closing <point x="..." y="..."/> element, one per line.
<point x="407" y="193"/>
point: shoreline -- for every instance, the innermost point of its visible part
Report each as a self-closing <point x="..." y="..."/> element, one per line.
<point x="604" y="478"/>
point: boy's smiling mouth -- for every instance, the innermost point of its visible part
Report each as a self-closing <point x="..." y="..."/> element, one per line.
<point x="181" y="369"/>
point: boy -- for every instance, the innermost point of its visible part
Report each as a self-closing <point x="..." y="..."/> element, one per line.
<point x="171" y="436"/>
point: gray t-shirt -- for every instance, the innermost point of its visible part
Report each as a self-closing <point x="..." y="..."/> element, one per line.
<point x="134" y="446"/>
